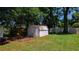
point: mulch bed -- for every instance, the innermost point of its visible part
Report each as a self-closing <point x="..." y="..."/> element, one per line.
<point x="18" y="38"/>
<point x="5" y="41"/>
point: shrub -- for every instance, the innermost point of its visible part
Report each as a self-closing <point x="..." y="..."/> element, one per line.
<point x="3" y="41"/>
<point x="76" y="25"/>
<point x="61" y="25"/>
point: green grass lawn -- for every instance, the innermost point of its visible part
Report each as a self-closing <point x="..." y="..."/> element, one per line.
<point x="54" y="42"/>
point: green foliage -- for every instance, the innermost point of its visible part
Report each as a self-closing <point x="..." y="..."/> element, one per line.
<point x="61" y="24"/>
<point x="31" y="15"/>
<point x="76" y="25"/>
<point x="21" y="17"/>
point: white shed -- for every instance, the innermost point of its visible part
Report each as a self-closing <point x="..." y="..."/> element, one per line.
<point x="37" y="30"/>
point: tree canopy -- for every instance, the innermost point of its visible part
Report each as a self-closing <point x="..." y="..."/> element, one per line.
<point x="21" y="17"/>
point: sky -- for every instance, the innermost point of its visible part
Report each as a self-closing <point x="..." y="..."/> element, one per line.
<point x="69" y="15"/>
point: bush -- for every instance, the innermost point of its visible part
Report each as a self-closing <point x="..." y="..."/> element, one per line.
<point x="3" y="41"/>
<point x="61" y="25"/>
<point x="76" y="25"/>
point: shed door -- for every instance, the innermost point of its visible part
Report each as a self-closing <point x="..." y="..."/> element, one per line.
<point x="36" y="32"/>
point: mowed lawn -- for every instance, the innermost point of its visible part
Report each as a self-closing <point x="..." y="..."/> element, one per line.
<point x="54" y="42"/>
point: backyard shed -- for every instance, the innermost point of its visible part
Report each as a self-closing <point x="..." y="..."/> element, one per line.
<point x="37" y="30"/>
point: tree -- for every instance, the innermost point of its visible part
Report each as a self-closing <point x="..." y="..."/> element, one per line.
<point x="21" y="17"/>
<point x="51" y="17"/>
<point x="66" y="9"/>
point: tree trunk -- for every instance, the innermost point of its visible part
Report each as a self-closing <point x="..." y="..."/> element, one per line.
<point x="66" y="9"/>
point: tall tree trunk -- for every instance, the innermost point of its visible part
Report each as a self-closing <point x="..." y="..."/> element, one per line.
<point x="66" y="9"/>
<point x="50" y="19"/>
